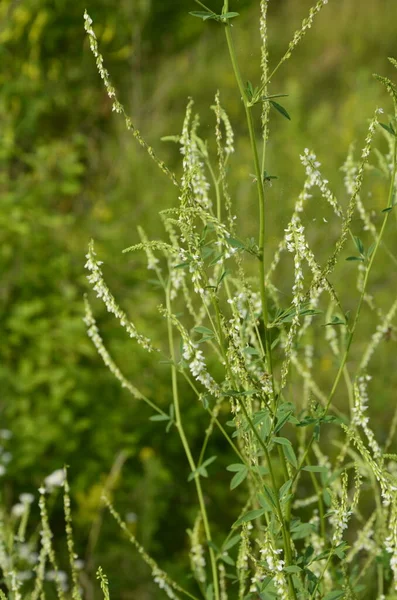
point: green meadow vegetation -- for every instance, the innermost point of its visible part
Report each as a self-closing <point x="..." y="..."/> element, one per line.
<point x="198" y="300"/>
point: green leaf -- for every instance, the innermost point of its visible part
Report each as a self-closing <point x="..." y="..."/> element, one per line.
<point x="249" y="516"/>
<point x="209" y="461"/>
<point x="236" y="467"/>
<point x="203" y="14"/>
<point x="274" y="96"/>
<point x="292" y="569"/>
<point x="285" y="488"/>
<point x="388" y="209"/>
<point x="216" y="259"/>
<point x="222" y="277"/>
<point x="327" y="497"/>
<point x="238" y="478"/>
<point x="315" y="469"/>
<point x="334" y="595"/>
<point x="251" y="351"/>
<point x="269" y="495"/>
<point x="229" y="15"/>
<point x="336" y="321"/>
<point x="280" y="109"/>
<point x="159" y="418"/>
<point x="290" y="455"/>
<point x="371" y="250"/>
<point x="235" y="243"/>
<point x="204" y="331"/>
<point x="355" y="258"/>
<point x="341" y="549"/>
<point x="171" y="138"/>
<point x="209" y="594"/>
<point x="301" y="531"/>
<point x="388" y="128"/>
<point x="230" y="543"/>
<point x="213" y="546"/>
<point x="201" y="470"/>
<point x="282" y="441"/>
<point x="359" y="244"/>
<point x="265" y="504"/>
<point x="227" y="559"/>
<point x="281" y="421"/>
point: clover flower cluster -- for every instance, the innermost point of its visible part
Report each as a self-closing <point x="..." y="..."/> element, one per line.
<point x="21" y="510"/>
<point x="295" y="243"/>
<point x="222" y="582"/>
<point x="350" y="169"/>
<point x="198" y="367"/>
<point x="103" y="292"/>
<point x="264" y="49"/>
<point x="116" y="105"/>
<point x="242" y="563"/>
<point x="306" y="25"/>
<point x="387" y="488"/>
<point x="342" y="513"/>
<point x="159" y="576"/>
<point x="197" y="555"/>
<point x="99" y="63"/>
<point x="193" y="151"/>
<point x="371" y="130"/>
<point x="160" y="579"/>
<point x="223" y="117"/>
<point x="359" y="418"/>
<point x="311" y="164"/>
<point x="46" y="536"/>
<point x="94" y="335"/>
<point x="303" y="197"/>
<point x="275" y="565"/>
<point x="391" y="541"/>
<point x="5" y="456"/>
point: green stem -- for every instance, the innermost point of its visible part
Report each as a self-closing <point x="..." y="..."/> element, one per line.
<point x="217" y="191"/>
<point x="265" y="315"/>
<point x="185" y="444"/>
<point x="261" y="197"/>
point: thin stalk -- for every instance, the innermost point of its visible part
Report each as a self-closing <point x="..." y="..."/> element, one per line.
<point x="262" y="284"/>
<point x="261" y="194"/>
<point x="217" y="191"/>
<point x="185" y="444"/>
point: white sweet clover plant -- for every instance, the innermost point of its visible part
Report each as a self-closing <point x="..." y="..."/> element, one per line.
<point x="319" y="520"/>
<point x="304" y="532"/>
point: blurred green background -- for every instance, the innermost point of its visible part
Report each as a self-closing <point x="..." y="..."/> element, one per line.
<point x="69" y="171"/>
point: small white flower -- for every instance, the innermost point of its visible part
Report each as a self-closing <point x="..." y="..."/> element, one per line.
<point x="131" y="517"/>
<point x="26" y="498"/>
<point x="56" y="479"/>
<point x="18" y="509"/>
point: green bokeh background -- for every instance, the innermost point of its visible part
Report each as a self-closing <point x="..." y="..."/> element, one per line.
<point x="70" y="172"/>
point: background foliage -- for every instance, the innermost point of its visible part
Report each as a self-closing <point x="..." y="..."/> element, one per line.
<point x="69" y="172"/>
